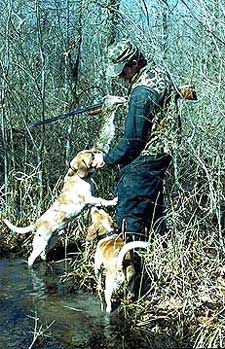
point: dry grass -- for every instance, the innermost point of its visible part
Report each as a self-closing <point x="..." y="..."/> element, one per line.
<point x="182" y="303"/>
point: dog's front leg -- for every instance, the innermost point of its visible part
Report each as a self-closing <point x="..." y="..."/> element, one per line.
<point x="98" y="276"/>
<point x="130" y="281"/>
<point x="97" y="269"/>
<point x="101" y="202"/>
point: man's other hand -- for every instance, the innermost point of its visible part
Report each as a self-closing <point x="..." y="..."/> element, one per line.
<point x="98" y="161"/>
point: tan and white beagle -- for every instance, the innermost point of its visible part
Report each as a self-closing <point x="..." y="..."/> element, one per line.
<point x="113" y="256"/>
<point x="75" y="195"/>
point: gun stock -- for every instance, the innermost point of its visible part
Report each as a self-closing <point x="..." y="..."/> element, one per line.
<point x="91" y="109"/>
<point x="187" y="92"/>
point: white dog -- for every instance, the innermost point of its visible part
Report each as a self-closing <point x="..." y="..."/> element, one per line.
<point x="75" y="195"/>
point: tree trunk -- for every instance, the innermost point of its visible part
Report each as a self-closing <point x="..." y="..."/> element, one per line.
<point x="41" y="89"/>
<point x="165" y="19"/>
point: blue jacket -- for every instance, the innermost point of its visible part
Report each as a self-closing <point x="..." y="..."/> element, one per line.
<point x="142" y="103"/>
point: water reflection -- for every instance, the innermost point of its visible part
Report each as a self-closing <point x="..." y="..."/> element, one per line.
<point x="65" y="317"/>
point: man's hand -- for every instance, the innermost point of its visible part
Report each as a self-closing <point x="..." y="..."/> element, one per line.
<point x="115" y="201"/>
<point x="98" y="161"/>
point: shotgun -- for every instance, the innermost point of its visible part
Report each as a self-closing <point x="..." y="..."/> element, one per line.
<point x="183" y="91"/>
<point x="91" y="109"/>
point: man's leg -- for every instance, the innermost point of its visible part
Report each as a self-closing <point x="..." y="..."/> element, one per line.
<point x="130" y="210"/>
<point x="140" y="197"/>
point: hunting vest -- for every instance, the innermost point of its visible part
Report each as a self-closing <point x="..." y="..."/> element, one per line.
<point x="163" y="137"/>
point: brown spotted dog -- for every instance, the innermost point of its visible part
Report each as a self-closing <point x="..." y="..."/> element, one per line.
<point x="75" y="195"/>
<point x="113" y="255"/>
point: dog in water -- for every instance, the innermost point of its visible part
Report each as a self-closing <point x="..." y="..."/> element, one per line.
<point x="113" y="256"/>
<point x="75" y="195"/>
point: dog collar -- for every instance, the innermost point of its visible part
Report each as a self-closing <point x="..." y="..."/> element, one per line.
<point x="72" y="168"/>
<point x="75" y="170"/>
<point x="111" y="233"/>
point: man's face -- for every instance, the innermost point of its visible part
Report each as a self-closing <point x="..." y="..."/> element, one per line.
<point x="130" y="70"/>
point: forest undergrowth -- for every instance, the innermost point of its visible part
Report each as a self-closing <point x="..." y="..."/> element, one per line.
<point x="52" y="60"/>
<point x="181" y="301"/>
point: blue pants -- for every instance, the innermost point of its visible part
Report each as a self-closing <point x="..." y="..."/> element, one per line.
<point x="140" y="195"/>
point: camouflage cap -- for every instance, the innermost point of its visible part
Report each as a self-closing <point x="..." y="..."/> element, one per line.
<point x="119" y="55"/>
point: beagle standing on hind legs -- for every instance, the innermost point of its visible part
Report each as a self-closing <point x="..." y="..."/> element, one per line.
<point x="77" y="190"/>
<point x="113" y="256"/>
<point x="75" y="195"/>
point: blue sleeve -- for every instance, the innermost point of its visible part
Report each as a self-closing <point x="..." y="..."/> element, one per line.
<point x="137" y="127"/>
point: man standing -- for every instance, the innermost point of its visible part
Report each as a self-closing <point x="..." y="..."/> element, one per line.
<point x="143" y="151"/>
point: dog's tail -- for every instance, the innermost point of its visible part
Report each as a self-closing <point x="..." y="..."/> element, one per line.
<point x="19" y="230"/>
<point x="126" y="248"/>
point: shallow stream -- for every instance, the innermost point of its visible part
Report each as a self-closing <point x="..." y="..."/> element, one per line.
<point x="38" y="310"/>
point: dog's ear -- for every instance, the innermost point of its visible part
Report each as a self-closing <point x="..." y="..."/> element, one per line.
<point x="95" y="230"/>
<point x="101" y="230"/>
<point x="79" y="166"/>
<point x="82" y="170"/>
<point x="83" y="163"/>
<point x="92" y="232"/>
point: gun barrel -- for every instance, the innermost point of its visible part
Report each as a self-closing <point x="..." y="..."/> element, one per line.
<point x="90" y="108"/>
